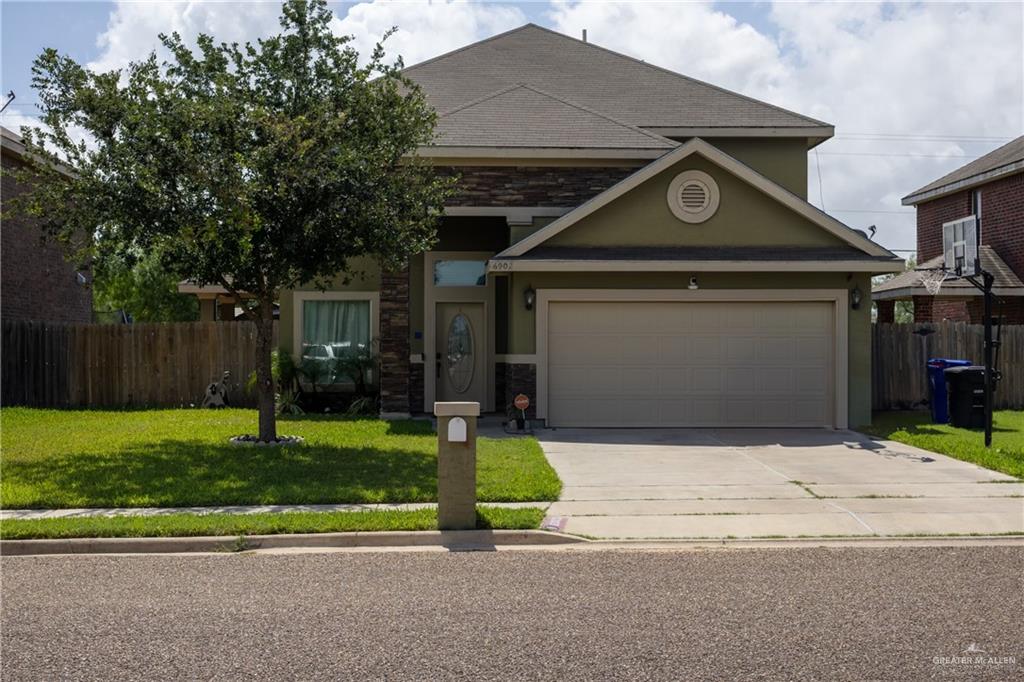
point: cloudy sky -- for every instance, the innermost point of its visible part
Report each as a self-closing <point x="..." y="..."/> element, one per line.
<point x="913" y="89"/>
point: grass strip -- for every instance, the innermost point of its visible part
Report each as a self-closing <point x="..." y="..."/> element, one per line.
<point x="915" y="428"/>
<point x="191" y="525"/>
<point x="59" y="459"/>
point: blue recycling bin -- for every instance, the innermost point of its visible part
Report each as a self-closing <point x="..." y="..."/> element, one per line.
<point x="937" y="386"/>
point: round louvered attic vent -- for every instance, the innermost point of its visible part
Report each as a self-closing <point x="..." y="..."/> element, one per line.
<point x="693" y="196"/>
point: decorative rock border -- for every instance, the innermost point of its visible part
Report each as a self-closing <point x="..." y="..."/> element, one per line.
<point x="249" y="439"/>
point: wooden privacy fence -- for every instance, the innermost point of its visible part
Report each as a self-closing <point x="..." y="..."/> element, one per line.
<point x="108" y="365"/>
<point x="899" y="353"/>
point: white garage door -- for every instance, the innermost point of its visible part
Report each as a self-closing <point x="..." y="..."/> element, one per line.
<point x="666" y="363"/>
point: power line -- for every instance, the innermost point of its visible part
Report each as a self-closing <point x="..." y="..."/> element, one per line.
<point x="910" y="156"/>
<point x="821" y="192"/>
<point x="908" y="211"/>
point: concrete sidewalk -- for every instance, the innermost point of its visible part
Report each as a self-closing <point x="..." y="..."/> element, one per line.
<point x="719" y="483"/>
<point x="12" y="514"/>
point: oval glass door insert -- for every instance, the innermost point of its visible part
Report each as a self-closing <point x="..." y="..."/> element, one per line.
<point x="460" y="353"/>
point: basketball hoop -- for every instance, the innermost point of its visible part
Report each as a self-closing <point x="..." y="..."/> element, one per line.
<point x="932" y="279"/>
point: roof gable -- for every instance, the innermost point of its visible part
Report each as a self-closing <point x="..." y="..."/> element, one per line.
<point x="625" y="88"/>
<point x="766" y="193"/>
<point x="524" y="116"/>
<point x="1002" y="161"/>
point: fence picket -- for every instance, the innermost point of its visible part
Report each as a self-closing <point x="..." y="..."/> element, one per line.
<point x="100" y="365"/>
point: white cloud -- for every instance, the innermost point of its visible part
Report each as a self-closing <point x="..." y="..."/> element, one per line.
<point x="425" y="29"/>
<point x="133" y="28"/>
<point x="912" y="69"/>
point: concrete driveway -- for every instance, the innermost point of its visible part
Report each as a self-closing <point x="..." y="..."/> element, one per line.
<point x="699" y="483"/>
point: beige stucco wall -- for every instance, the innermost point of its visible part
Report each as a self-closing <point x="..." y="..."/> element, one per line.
<point x="745" y="217"/>
<point x="522" y="326"/>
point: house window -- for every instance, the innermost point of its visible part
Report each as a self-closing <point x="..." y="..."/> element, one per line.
<point x="976" y="204"/>
<point x="332" y="331"/>
<point x="460" y="273"/>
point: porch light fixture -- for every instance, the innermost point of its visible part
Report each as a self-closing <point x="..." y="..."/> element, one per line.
<point x="693" y="284"/>
<point x="855" y="297"/>
<point x="529" y="297"/>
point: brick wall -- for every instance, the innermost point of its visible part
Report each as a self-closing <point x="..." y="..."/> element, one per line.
<point x="36" y="282"/>
<point x="1002" y="220"/>
<point x="1002" y="228"/>
<point x="927" y="309"/>
<point x="531" y="185"/>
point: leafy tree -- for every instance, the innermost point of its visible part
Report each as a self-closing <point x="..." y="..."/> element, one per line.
<point x="143" y="289"/>
<point x="903" y="312"/>
<point x="256" y="167"/>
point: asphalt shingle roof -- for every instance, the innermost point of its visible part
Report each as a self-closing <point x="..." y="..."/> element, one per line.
<point x="702" y="253"/>
<point x="1005" y="278"/>
<point x="523" y="116"/>
<point x="1009" y="153"/>
<point x="629" y="90"/>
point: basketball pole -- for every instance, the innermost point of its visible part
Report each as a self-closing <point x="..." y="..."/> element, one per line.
<point x="987" y="281"/>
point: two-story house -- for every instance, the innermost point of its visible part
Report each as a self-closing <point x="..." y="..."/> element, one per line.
<point x="991" y="188"/>
<point x="628" y="247"/>
<point x="36" y="281"/>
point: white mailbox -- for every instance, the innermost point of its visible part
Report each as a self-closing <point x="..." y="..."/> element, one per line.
<point x="456" y="430"/>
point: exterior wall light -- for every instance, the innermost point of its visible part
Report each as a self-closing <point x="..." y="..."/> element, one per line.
<point x="692" y="284"/>
<point x="855" y="297"/>
<point x="529" y="297"/>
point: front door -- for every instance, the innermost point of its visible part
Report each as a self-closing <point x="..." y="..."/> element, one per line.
<point x="461" y="352"/>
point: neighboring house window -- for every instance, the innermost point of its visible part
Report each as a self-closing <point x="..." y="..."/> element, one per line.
<point x="332" y="330"/>
<point x="460" y="273"/>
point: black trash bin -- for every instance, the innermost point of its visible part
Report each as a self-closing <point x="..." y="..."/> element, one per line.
<point x="966" y="387"/>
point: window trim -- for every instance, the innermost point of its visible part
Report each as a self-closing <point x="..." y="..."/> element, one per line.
<point x="299" y="299"/>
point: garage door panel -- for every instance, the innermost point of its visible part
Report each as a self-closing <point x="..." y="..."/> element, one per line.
<point x="706" y="379"/>
<point x="690" y="363"/>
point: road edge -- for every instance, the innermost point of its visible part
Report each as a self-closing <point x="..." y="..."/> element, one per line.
<point x="451" y="539"/>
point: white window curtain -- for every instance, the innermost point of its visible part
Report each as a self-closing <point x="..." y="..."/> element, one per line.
<point x="335" y="328"/>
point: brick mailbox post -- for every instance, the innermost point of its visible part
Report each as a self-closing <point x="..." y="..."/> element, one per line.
<point x="456" y="465"/>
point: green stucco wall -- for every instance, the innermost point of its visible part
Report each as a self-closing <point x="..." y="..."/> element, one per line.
<point x="522" y="326"/>
<point x="745" y="217"/>
<point x="781" y="160"/>
<point x="365" y="277"/>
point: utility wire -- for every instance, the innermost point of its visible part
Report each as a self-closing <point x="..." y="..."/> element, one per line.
<point x="817" y="165"/>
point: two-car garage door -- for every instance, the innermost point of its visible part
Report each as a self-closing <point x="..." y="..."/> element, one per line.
<point x="675" y="363"/>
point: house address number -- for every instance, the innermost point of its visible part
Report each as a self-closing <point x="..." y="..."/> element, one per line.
<point x="499" y="265"/>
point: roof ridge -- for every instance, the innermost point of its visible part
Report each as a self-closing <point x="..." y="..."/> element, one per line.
<point x="595" y="112"/>
<point x="481" y="100"/>
<point x="655" y="67"/>
<point x="474" y="44"/>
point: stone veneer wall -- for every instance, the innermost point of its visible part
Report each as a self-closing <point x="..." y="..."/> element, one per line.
<point x="394" y="343"/>
<point x="531" y="185"/>
<point x="416" y="380"/>
<point x="512" y="379"/>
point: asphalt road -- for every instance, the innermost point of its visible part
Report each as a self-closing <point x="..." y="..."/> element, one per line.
<point x="829" y="614"/>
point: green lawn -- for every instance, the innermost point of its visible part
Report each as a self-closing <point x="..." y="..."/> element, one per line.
<point x="169" y="458"/>
<point x="188" y="525"/>
<point x="915" y="428"/>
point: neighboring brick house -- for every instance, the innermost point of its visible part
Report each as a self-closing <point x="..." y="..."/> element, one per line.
<point x="36" y="281"/>
<point x="627" y="247"/>
<point x="991" y="188"/>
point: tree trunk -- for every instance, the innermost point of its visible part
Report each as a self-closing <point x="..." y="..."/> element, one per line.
<point x="264" y="373"/>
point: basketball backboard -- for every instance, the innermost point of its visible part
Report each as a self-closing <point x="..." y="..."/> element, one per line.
<point x="960" y="247"/>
